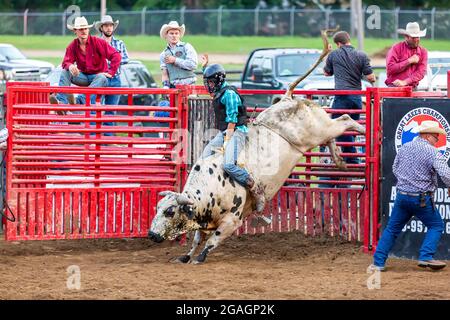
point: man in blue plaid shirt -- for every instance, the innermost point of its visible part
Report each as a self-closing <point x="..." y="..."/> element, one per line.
<point x="107" y="27"/>
<point x="416" y="167"/>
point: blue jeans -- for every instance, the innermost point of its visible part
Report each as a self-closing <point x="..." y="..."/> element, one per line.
<point x="404" y="208"/>
<point x="234" y="147"/>
<point x="107" y="99"/>
<point x="113" y="99"/>
<point x="163" y="114"/>
<point x="83" y="80"/>
<point x="348" y="102"/>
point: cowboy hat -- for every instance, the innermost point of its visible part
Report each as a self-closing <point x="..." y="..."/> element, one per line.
<point x="429" y="126"/>
<point x="106" y="19"/>
<point x="80" y="23"/>
<point x="171" y="25"/>
<point x="413" y="30"/>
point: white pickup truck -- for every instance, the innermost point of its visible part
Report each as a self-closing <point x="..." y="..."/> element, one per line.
<point x="436" y="77"/>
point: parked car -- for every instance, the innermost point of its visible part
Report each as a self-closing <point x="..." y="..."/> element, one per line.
<point x="436" y="76"/>
<point x="13" y="55"/>
<point x="12" y="71"/>
<point x="275" y="69"/>
<point x="134" y="75"/>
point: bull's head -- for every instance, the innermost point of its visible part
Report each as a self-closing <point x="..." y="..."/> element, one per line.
<point x="173" y="217"/>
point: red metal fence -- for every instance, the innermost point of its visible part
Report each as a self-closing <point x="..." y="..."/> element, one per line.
<point x="73" y="176"/>
<point x="66" y="178"/>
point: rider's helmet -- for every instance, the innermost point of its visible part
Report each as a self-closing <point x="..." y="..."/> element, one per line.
<point x="213" y="78"/>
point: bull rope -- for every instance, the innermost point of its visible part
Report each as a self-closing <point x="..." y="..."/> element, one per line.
<point x="257" y="123"/>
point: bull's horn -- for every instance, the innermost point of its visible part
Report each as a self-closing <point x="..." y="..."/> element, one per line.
<point x="326" y="50"/>
<point x="165" y="193"/>
<point x="183" y="199"/>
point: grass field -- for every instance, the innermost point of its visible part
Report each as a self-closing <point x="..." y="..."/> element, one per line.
<point x="211" y="44"/>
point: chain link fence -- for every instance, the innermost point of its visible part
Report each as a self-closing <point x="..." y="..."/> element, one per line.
<point x="235" y="22"/>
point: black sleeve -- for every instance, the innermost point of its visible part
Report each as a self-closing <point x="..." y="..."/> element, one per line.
<point x="329" y="64"/>
<point x="366" y="67"/>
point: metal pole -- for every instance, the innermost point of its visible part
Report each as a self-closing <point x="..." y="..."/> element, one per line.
<point x="433" y="13"/>
<point x="292" y="20"/>
<point x="327" y="18"/>
<point x="102" y="8"/>
<point x="360" y="24"/>
<point x="25" y="22"/>
<point x="396" y="17"/>
<point x="352" y="18"/>
<point x="182" y="10"/>
<point x="256" y="20"/>
<point x="143" y="20"/>
<point x="64" y="24"/>
<point x="219" y="21"/>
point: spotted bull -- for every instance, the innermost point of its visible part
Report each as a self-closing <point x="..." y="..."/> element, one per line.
<point x="212" y="204"/>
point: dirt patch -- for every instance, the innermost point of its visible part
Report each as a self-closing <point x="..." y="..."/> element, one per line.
<point x="269" y="266"/>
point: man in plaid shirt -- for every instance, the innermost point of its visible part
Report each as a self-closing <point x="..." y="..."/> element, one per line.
<point x="416" y="167"/>
<point x="107" y="27"/>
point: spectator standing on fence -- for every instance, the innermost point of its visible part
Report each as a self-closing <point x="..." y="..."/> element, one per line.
<point x="416" y="167"/>
<point x="406" y="61"/>
<point x="179" y="59"/>
<point x="348" y="66"/>
<point x="86" y="61"/>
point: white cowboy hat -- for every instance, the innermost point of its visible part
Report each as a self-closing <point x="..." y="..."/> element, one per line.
<point x="171" y="25"/>
<point x="80" y="23"/>
<point x="106" y="19"/>
<point x="429" y="126"/>
<point x="413" y="30"/>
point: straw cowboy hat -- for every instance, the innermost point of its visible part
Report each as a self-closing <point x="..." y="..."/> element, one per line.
<point x="106" y="19"/>
<point x="171" y="25"/>
<point x="413" y="30"/>
<point x="429" y="126"/>
<point x="80" y="23"/>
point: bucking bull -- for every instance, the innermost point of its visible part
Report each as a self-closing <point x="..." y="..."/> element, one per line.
<point x="213" y="204"/>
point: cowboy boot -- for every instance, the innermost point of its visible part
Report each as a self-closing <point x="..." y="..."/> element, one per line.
<point x="257" y="193"/>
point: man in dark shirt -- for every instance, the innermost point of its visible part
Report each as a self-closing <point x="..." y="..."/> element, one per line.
<point x="85" y="62"/>
<point x="348" y="67"/>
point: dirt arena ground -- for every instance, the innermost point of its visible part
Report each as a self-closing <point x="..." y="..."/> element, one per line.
<point x="269" y="266"/>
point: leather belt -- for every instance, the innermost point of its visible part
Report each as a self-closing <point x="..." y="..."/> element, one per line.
<point x="428" y="193"/>
<point x="422" y="197"/>
<point x="409" y="194"/>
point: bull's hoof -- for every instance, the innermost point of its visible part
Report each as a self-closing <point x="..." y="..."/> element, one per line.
<point x="260" y="221"/>
<point x="200" y="259"/>
<point x="183" y="259"/>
